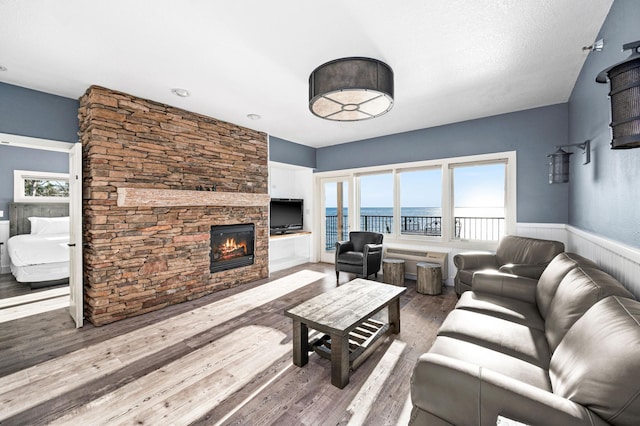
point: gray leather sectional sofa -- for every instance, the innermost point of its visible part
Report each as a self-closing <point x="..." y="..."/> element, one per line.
<point x="526" y="257"/>
<point x="561" y="350"/>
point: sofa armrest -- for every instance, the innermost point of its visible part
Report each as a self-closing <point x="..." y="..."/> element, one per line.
<point x="482" y="394"/>
<point x="506" y="285"/>
<point x="475" y="260"/>
<point x="524" y="270"/>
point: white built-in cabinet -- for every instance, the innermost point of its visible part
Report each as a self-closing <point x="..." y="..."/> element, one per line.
<point x="288" y="181"/>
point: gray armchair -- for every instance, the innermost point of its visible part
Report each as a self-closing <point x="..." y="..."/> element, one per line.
<point x="525" y="257"/>
<point x="361" y="255"/>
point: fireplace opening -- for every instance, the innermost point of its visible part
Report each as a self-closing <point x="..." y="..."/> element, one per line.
<point x="231" y="246"/>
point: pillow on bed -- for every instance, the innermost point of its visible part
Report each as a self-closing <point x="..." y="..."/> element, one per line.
<point x="49" y="225"/>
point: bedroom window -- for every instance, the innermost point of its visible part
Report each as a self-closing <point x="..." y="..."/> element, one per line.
<point x="32" y="186"/>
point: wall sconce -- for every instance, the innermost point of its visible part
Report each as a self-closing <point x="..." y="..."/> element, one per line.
<point x="559" y="161"/>
<point x="625" y="98"/>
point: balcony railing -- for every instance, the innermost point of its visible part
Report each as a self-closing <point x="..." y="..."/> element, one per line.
<point x="466" y="228"/>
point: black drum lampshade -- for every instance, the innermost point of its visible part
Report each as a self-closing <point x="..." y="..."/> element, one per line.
<point x="624" y="78"/>
<point x="351" y="89"/>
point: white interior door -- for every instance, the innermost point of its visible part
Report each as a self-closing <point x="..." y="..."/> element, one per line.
<point x="334" y="215"/>
<point x="76" y="302"/>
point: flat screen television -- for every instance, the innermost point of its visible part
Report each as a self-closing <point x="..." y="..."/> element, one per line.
<point x="285" y="215"/>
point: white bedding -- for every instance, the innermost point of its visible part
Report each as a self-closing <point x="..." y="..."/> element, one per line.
<point x="28" y="249"/>
<point x="42" y="272"/>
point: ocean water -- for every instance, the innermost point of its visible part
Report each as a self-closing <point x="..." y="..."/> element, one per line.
<point x="425" y="211"/>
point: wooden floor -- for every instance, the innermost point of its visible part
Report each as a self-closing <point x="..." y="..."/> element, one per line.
<point x="9" y="287"/>
<point x="222" y="359"/>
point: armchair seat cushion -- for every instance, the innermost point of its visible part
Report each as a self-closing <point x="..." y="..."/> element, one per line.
<point x="351" y="258"/>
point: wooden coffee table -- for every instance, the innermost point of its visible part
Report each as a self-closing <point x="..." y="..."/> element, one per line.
<point x="344" y="314"/>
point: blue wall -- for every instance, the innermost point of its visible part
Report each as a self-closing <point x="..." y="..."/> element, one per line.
<point x="287" y="152"/>
<point x="28" y="112"/>
<point x="533" y="134"/>
<point x="16" y="158"/>
<point x="605" y="195"/>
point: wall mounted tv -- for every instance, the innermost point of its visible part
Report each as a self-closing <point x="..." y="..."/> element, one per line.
<point x="286" y="215"/>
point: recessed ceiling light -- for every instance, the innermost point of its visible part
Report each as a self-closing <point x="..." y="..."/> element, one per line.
<point x="253" y="117"/>
<point x="3" y="68"/>
<point x="183" y="93"/>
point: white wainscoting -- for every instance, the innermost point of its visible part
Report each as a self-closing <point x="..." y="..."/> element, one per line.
<point x="617" y="259"/>
<point x="4" y="254"/>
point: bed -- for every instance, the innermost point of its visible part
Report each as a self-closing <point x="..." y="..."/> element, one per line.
<point x="38" y="244"/>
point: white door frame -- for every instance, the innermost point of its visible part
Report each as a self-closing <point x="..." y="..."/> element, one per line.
<point x="74" y="150"/>
<point x="76" y="297"/>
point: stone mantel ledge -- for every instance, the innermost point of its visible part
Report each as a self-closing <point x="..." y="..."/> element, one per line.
<point x="148" y="197"/>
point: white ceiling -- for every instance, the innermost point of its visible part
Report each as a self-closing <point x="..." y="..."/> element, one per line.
<point x="453" y="60"/>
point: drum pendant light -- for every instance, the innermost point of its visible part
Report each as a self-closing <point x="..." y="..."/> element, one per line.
<point x="351" y="89"/>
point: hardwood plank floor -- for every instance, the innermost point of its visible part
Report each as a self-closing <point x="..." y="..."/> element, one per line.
<point x="222" y="359"/>
<point x="9" y="287"/>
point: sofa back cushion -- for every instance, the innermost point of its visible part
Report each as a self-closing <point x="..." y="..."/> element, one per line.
<point x="553" y="274"/>
<point x="532" y="251"/>
<point x="597" y="364"/>
<point x="579" y="290"/>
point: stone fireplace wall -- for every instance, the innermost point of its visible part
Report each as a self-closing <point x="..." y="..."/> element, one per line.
<point x="140" y="258"/>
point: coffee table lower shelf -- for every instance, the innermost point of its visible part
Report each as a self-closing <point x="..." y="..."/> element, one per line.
<point x="362" y="341"/>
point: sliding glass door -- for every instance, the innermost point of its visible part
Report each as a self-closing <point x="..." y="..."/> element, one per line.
<point x="335" y="218"/>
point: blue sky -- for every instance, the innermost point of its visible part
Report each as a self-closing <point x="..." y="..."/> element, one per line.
<point x="474" y="186"/>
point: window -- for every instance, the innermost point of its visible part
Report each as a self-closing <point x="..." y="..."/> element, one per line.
<point x="479" y="201"/>
<point x="459" y="201"/>
<point x="421" y="202"/>
<point x="31" y="186"/>
<point x="376" y="203"/>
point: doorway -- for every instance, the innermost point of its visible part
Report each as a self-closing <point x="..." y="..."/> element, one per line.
<point x="335" y="206"/>
<point x="74" y="151"/>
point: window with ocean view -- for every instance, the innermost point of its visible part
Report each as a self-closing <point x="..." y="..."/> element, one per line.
<point x="479" y="201"/>
<point x="421" y="202"/>
<point x="376" y="203"/>
<point x="465" y="199"/>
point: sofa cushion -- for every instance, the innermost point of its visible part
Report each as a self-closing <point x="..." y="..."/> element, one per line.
<point x="597" y="364"/>
<point x="502" y="307"/>
<point x="497" y="361"/>
<point x="351" y="257"/>
<point x="580" y="289"/>
<point x="553" y="274"/>
<point x="499" y="335"/>
<point x="513" y="249"/>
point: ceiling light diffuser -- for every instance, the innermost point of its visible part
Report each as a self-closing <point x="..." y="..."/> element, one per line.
<point x="351" y="89"/>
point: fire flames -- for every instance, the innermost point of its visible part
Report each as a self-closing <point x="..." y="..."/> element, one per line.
<point x="230" y="249"/>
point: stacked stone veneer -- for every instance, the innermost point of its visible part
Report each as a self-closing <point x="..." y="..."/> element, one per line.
<point x="140" y="259"/>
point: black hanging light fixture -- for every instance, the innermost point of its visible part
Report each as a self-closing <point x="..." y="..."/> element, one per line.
<point x="625" y="98"/>
<point x="559" y="161"/>
<point x="351" y="89"/>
